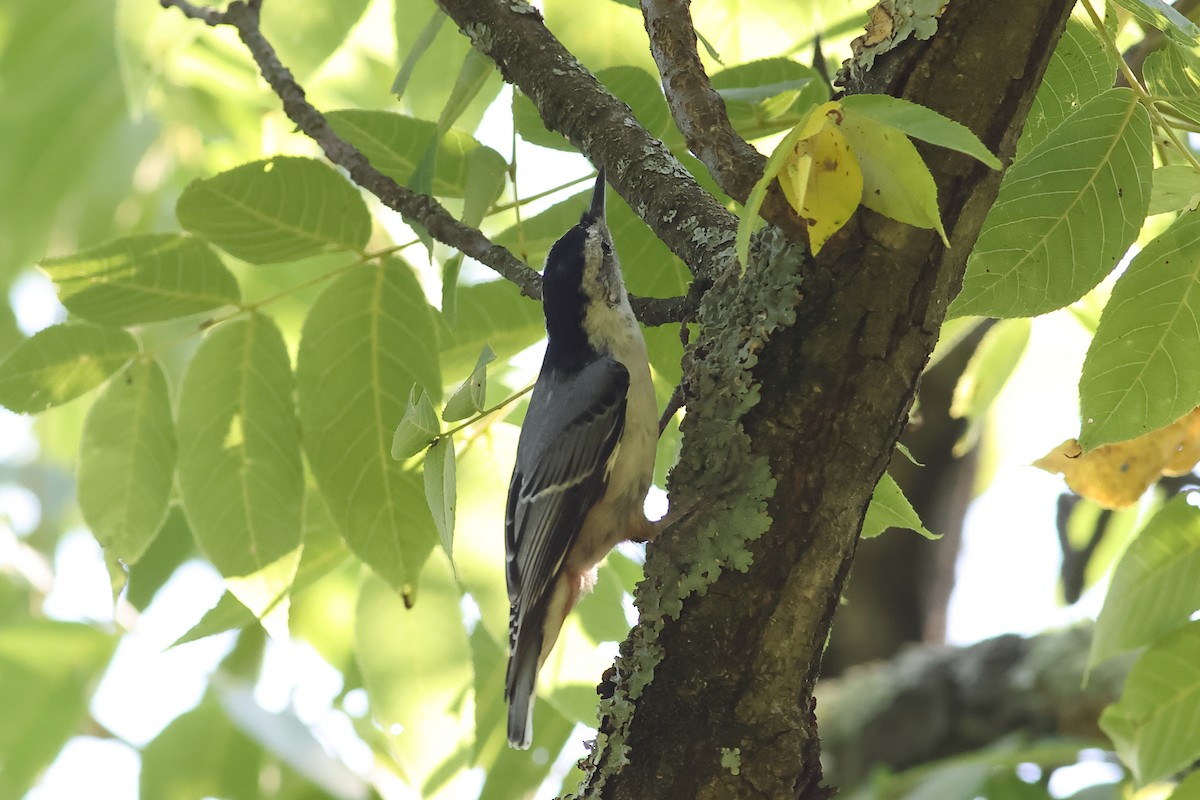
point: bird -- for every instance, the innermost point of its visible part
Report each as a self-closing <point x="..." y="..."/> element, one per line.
<point x="585" y="456"/>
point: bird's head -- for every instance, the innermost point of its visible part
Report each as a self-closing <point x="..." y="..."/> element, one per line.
<point x="581" y="272"/>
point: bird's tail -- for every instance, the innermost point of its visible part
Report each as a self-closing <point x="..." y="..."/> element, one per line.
<point x="519" y="689"/>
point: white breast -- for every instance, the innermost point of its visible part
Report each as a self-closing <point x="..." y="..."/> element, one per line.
<point x="620" y="512"/>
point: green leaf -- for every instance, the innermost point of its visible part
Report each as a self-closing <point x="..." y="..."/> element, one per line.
<point x="240" y="471"/>
<point x="395" y="145"/>
<point x="172" y="545"/>
<point x="472" y="77"/>
<point x="1065" y="215"/>
<point x="896" y="182"/>
<point x="413" y="56"/>
<point x="428" y="82"/>
<point x="1156" y="584"/>
<point x="484" y="186"/>
<point x="748" y="219"/>
<point x="281" y="209"/>
<point x="140" y="279"/>
<point x="127" y="461"/>
<point x="324" y="551"/>
<point x="418" y="428"/>
<point x="1173" y="74"/>
<point x="367" y="341"/>
<point x="1176" y="188"/>
<point x="201" y="754"/>
<point x="986" y="374"/>
<point x="493" y="314"/>
<point x="1158" y="14"/>
<point x="415" y="666"/>
<point x="441" y="488"/>
<point x="60" y="363"/>
<point x="529" y="125"/>
<point x="306" y="34"/>
<point x="1153" y="725"/>
<point x="1080" y="69"/>
<point x="470" y="398"/>
<point x="227" y="615"/>
<point x="903" y="450"/>
<point x="1188" y="788"/>
<point x="754" y="91"/>
<point x="889" y="508"/>
<point x="920" y="123"/>
<point x="48" y="671"/>
<point x="1141" y="371"/>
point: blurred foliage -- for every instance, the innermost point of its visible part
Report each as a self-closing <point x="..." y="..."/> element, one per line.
<point x="238" y="331"/>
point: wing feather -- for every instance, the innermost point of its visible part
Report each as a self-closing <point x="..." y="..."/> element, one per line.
<point x="571" y="433"/>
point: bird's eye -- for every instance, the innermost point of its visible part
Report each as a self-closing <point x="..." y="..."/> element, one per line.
<point x="606" y="247"/>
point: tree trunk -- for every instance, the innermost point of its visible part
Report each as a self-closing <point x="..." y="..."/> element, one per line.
<point x="802" y="377"/>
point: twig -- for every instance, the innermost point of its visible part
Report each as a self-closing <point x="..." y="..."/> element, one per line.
<point x="1136" y="55"/>
<point x="413" y="206"/>
<point x="1139" y="90"/>
<point x="674" y="403"/>
<point x="699" y="113"/>
<point x="573" y="102"/>
<point x="698" y="110"/>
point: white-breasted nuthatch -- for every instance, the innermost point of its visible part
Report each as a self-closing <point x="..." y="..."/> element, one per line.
<point x="585" y="458"/>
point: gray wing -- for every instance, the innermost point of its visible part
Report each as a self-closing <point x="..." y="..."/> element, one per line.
<point x="570" y="432"/>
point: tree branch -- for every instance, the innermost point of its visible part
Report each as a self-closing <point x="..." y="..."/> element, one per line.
<point x="933" y="702"/>
<point x="413" y="206"/>
<point x="699" y="111"/>
<point x="574" y="103"/>
<point x="826" y="392"/>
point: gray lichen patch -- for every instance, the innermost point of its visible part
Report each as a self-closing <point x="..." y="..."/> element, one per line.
<point x="890" y="23"/>
<point x="736" y="318"/>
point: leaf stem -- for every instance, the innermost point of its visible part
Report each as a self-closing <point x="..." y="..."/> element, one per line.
<point x="486" y="412"/>
<point x="1138" y="89"/>
<point x="520" y="201"/>
<point x="251" y="308"/>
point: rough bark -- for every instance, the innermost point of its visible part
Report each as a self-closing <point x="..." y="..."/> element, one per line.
<point x="739" y="663"/>
<point x="933" y="702"/>
<point x="900" y="587"/>
<point x="574" y="103"/>
<point x="802" y="373"/>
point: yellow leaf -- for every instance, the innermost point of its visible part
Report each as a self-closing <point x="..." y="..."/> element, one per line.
<point x="821" y="177"/>
<point x="748" y="219"/>
<point x="794" y="179"/>
<point x="1116" y="475"/>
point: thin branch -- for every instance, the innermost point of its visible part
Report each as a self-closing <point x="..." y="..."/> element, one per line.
<point x="1136" y="55"/>
<point x="574" y="103"/>
<point x="936" y="701"/>
<point x="1138" y="89"/>
<point x="413" y="206"/>
<point x="698" y="110"/>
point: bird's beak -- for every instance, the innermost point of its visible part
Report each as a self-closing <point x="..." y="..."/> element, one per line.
<point x="596" y="212"/>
